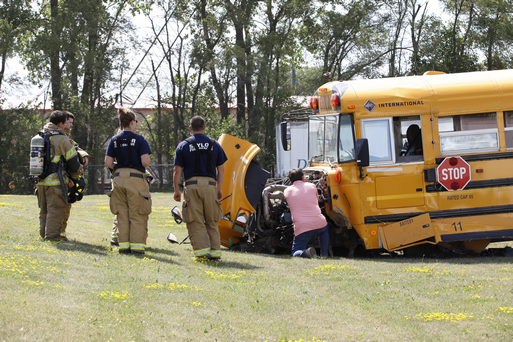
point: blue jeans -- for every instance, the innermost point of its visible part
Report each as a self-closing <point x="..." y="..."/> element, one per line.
<point x="301" y="241"/>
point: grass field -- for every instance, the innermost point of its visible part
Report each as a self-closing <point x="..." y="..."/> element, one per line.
<point x="83" y="290"/>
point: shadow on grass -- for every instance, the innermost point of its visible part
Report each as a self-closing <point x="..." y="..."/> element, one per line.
<point x="488" y="256"/>
<point x="161" y="251"/>
<point x="235" y="264"/>
<point x="77" y="246"/>
<point x="74" y="246"/>
<point x="159" y="259"/>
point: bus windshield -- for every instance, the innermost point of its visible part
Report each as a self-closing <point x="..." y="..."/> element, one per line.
<point x="331" y="138"/>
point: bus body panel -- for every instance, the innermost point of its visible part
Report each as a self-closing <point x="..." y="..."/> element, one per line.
<point x="395" y="201"/>
<point x="392" y="192"/>
<point x="240" y="154"/>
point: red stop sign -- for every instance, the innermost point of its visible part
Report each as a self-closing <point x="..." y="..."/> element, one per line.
<point x="453" y="173"/>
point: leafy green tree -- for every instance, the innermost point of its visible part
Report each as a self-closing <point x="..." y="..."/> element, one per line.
<point x="418" y="22"/>
<point x="308" y="79"/>
<point x="495" y="32"/>
<point x="397" y="11"/>
<point x="213" y="49"/>
<point x="461" y="54"/>
<point x="17" y="127"/>
<point x="269" y="66"/>
<point x="15" y="19"/>
<point x="77" y="45"/>
<point x="348" y="37"/>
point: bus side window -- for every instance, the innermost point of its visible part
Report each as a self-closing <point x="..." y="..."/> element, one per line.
<point x="468" y="133"/>
<point x="409" y="134"/>
<point x="508" y="129"/>
<point x="394" y="139"/>
<point x="413" y="147"/>
<point x="379" y="133"/>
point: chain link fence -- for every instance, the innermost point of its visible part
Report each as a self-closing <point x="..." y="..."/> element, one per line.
<point x="99" y="180"/>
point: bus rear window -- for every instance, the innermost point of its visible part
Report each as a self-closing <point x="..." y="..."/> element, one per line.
<point x="460" y="134"/>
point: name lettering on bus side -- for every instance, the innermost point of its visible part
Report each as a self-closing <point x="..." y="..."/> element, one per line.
<point x="405" y="222"/>
<point x="460" y="197"/>
<point x="400" y="104"/>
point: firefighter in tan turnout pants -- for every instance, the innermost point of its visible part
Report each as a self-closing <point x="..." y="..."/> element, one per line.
<point x="130" y="199"/>
<point x="83" y="157"/>
<point x="199" y="157"/>
<point x="51" y="198"/>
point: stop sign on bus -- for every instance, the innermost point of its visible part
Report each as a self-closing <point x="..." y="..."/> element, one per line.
<point x="453" y="173"/>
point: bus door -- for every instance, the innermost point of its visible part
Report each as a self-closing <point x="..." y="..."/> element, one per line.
<point x="396" y="190"/>
<point x="396" y="162"/>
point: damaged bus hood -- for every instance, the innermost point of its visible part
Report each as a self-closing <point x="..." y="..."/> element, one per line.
<point x="244" y="181"/>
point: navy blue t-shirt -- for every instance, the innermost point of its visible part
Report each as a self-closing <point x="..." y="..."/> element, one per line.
<point x="185" y="157"/>
<point x="138" y="147"/>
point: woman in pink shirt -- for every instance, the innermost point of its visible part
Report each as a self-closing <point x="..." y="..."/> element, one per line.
<point x="303" y="202"/>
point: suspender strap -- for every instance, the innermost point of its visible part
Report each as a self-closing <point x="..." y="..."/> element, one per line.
<point x="119" y="143"/>
<point x="208" y="151"/>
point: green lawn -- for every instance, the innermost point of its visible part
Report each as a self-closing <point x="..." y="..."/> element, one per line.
<point x="83" y="290"/>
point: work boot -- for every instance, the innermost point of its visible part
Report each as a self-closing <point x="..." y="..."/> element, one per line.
<point x="114" y="242"/>
<point x="200" y="258"/>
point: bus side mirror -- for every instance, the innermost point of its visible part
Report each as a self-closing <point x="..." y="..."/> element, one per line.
<point x="362" y="152"/>
<point x="283" y="136"/>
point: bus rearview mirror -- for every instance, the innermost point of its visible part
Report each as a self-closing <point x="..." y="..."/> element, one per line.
<point x="362" y="152"/>
<point x="283" y="136"/>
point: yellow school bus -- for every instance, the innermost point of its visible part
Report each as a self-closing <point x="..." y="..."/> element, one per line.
<point x="409" y="161"/>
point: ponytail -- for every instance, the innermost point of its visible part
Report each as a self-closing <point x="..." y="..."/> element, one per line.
<point x="125" y="116"/>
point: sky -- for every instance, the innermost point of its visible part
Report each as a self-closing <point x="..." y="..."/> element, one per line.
<point x="15" y="93"/>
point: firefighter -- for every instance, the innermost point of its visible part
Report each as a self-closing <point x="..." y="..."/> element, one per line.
<point x="52" y="190"/>
<point x="84" y="160"/>
<point x="128" y="154"/>
<point x="114" y="235"/>
<point x="199" y="157"/>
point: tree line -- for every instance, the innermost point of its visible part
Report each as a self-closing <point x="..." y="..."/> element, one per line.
<point x="207" y="57"/>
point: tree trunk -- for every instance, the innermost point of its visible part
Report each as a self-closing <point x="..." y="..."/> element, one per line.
<point x="2" y="70"/>
<point x="55" y="70"/>
<point x="241" y="73"/>
<point x="223" y="100"/>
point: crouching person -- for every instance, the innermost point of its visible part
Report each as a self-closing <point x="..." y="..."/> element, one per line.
<point x="308" y="219"/>
<point x="128" y="154"/>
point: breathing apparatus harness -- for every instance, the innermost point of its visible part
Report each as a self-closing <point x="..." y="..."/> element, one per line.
<point x="74" y="189"/>
<point x="49" y="166"/>
<point x="124" y="142"/>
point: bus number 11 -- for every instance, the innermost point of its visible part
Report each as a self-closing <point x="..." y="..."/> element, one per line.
<point x="456" y="225"/>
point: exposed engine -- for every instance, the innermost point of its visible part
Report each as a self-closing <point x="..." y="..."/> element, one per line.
<point x="270" y="228"/>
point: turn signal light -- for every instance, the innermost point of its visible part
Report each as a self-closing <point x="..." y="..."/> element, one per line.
<point x="338" y="176"/>
<point x="335" y="100"/>
<point x="351" y="107"/>
<point x="313" y="103"/>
